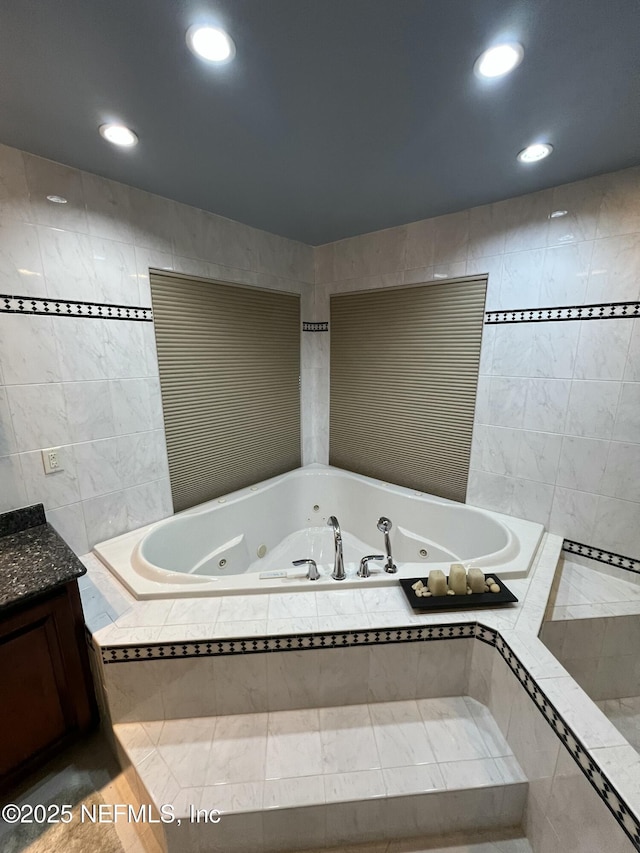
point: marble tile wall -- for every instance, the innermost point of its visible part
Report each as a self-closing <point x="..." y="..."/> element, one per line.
<point x="168" y="689"/>
<point x="90" y="386"/>
<point x="557" y="426"/>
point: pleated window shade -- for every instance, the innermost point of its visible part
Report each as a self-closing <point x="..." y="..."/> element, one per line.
<point x="404" y="374"/>
<point x="229" y="359"/>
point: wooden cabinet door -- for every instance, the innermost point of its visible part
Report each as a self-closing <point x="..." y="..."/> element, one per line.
<point x="45" y="684"/>
<point x="31" y="710"/>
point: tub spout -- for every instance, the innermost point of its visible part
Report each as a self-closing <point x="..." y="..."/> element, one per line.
<point x="384" y="526"/>
<point x="338" y="573"/>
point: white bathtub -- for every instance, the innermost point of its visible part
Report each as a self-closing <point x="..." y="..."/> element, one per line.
<point x="245" y="542"/>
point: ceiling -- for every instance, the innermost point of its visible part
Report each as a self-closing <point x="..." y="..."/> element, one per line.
<point x="336" y="117"/>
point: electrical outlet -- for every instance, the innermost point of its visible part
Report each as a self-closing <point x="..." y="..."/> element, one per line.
<point x="51" y="460"/>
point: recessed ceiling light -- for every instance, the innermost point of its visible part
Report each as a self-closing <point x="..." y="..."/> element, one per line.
<point x="56" y="199"/>
<point x="533" y="153"/>
<point x="557" y="214"/>
<point x="210" y="43"/>
<point x="499" y="60"/>
<point x="118" y="134"/>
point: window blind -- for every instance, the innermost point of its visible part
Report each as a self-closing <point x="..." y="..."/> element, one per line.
<point x="404" y="373"/>
<point x="229" y="361"/>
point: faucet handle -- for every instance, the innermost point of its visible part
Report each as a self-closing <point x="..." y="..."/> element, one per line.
<point x="313" y="574"/>
<point x="363" y="571"/>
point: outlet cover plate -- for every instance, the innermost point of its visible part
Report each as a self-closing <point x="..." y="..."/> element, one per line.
<point x="52" y="460"/>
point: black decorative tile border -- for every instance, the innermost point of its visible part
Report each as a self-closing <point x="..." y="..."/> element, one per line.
<point x="315" y="327"/>
<point x="371" y="637"/>
<point x="288" y="643"/>
<point x="600" y="783"/>
<point x="600" y="311"/>
<point x="67" y="308"/>
<point x="629" y="564"/>
<point x="486" y="635"/>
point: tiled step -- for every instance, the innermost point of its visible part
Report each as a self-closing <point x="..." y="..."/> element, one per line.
<point x="491" y="841"/>
<point x="290" y="780"/>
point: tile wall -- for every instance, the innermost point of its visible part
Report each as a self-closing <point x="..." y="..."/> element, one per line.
<point x="310" y="678"/>
<point x="557" y="430"/>
<point x="88" y="385"/>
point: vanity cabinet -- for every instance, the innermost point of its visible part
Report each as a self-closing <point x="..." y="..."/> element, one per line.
<point x="46" y="692"/>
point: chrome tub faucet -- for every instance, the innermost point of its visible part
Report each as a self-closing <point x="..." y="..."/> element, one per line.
<point x="338" y="573"/>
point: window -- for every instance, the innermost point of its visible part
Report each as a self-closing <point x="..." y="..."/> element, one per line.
<point x="404" y="373"/>
<point x="229" y="359"/>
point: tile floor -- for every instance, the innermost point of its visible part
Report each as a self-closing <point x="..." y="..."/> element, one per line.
<point x="75" y="776"/>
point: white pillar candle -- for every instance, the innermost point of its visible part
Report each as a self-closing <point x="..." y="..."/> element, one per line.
<point x="458" y="579"/>
<point x="437" y="582"/>
<point x="476" y="580"/>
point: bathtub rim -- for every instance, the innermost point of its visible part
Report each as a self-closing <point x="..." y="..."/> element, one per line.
<point x="146" y="568"/>
<point x="116" y="553"/>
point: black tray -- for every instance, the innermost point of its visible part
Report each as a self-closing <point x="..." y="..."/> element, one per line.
<point x="457" y="602"/>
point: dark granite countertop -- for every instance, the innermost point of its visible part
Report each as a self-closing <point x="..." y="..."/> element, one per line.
<point x="34" y="559"/>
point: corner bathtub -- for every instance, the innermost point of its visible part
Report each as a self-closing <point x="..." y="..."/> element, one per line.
<point x="245" y="542"/>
